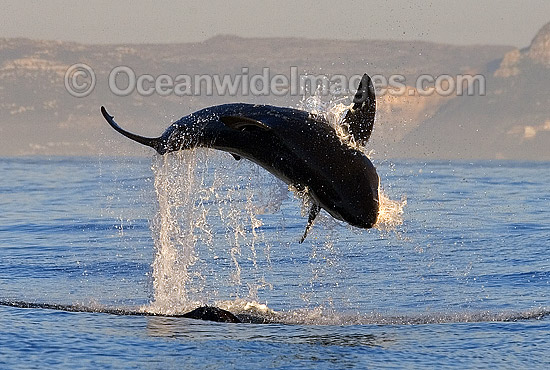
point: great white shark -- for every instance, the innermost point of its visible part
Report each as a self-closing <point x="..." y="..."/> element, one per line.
<point x="298" y="147"/>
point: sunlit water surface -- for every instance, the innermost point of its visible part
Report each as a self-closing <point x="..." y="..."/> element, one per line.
<point x="460" y="278"/>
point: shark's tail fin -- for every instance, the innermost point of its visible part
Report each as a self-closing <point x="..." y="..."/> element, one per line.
<point x="154" y="142"/>
<point x="360" y="117"/>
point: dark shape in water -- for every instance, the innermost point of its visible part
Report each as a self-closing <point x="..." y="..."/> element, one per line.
<point x="207" y="313"/>
<point x="298" y="147"/>
<point x="211" y="313"/>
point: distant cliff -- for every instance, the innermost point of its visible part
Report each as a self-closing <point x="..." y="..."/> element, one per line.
<point x="39" y="116"/>
<point x="511" y="122"/>
<point x="538" y="52"/>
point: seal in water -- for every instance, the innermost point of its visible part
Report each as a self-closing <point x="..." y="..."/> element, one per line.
<point x="298" y="147"/>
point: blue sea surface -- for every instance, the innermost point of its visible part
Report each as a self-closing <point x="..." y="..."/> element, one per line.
<point x="463" y="282"/>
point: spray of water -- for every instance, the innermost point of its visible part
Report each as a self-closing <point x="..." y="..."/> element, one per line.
<point x="174" y="231"/>
<point x="204" y="208"/>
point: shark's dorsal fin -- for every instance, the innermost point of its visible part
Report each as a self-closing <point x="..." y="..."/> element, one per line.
<point x="243" y="123"/>
<point x="313" y="212"/>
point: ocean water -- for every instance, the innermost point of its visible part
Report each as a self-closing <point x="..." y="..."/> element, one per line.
<point x="459" y="279"/>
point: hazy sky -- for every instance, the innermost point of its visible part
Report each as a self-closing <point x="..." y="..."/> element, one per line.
<point x="508" y="22"/>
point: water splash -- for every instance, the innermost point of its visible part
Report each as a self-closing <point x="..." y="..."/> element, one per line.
<point x="201" y="207"/>
<point x="174" y="230"/>
<point x="333" y="111"/>
<point x="390" y="214"/>
<point x="324" y="316"/>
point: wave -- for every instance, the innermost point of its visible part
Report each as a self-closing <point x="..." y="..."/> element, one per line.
<point x="249" y="312"/>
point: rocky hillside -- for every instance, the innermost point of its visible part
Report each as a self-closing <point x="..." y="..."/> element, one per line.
<point x="511" y="122"/>
<point x="39" y="117"/>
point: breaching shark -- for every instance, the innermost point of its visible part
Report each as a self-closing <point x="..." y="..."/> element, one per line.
<point x="298" y="147"/>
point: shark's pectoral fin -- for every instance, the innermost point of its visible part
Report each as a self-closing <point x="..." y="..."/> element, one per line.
<point x="313" y="212"/>
<point x="237" y="157"/>
<point x="243" y="123"/>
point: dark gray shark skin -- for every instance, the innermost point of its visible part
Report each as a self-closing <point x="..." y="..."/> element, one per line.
<point x="298" y="147"/>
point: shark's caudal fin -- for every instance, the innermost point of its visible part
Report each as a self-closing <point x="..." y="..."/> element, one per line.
<point x="153" y="142"/>
<point x="360" y="117"/>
